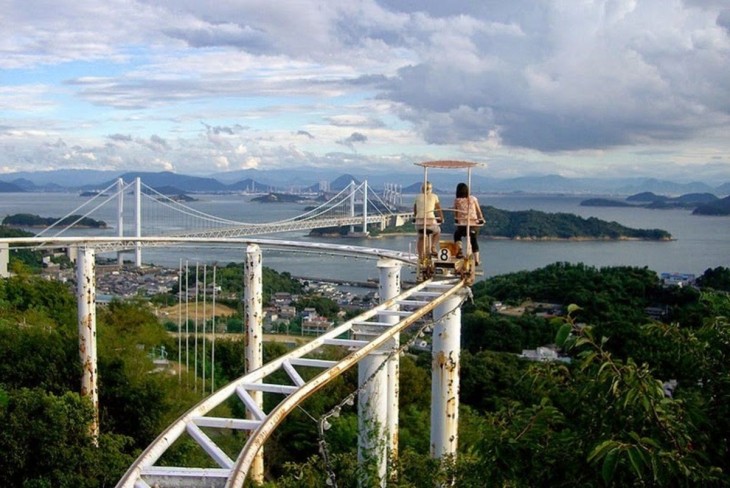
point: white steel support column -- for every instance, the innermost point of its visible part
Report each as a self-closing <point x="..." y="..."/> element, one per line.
<point x="445" y="358"/>
<point x="378" y="386"/>
<point x="138" y="221"/>
<point x="4" y="259"/>
<point x="253" y="306"/>
<point x="372" y="415"/>
<point x="365" y="207"/>
<point x="86" y="303"/>
<point x="120" y="217"/>
<point x="389" y="286"/>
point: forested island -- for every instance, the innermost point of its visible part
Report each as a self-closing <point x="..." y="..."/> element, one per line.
<point x="275" y="197"/>
<point x="537" y="225"/>
<point x="719" y="207"/>
<point x="31" y="220"/>
<point x="700" y="203"/>
<point x="638" y="400"/>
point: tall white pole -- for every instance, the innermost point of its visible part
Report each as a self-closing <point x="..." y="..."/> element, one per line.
<point x="86" y="303"/>
<point x="212" y="349"/>
<point x="120" y="217"/>
<point x="205" y="317"/>
<point x="179" y="323"/>
<point x="389" y="286"/>
<point x="253" y="337"/>
<point x="4" y="259"/>
<point x="377" y="383"/>
<point x="195" y="346"/>
<point x="187" y="323"/>
<point x="445" y="359"/>
<point x="138" y="221"/>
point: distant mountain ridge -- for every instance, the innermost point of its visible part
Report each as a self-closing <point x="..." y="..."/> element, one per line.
<point x="310" y="179"/>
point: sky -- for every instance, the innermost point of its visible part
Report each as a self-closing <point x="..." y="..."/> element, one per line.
<point x="578" y="88"/>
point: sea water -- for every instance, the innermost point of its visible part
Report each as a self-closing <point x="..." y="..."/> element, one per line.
<point x="699" y="242"/>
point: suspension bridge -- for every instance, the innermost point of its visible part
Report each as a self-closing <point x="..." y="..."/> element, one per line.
<point x="357" y="206"/>
<point x="371" y="342"/>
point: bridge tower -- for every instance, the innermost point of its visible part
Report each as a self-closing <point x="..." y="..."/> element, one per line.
<point x="352" y="203"/>
<point x="138" y="221"/>
<point x="120" y="216"/>
<point x="365" y="207"/>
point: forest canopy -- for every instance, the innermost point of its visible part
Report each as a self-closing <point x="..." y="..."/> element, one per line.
<point x="535" y="224"/>
<point x="643" y="399"/>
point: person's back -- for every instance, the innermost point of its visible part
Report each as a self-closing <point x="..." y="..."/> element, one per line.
<point x="466" y="209"/>
<point x="467" y="213"/>
<point x="427" y="216"/>
<point x="425" y="207"/>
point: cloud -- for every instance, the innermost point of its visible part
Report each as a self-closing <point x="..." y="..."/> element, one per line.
<point x="217" y="130"/>
<point x="539" y="83"/>
<point x="723" y="20"/>
<point x="355" y="137"/>
<point x="120" y="137"/>
<point x="591" y="78"/>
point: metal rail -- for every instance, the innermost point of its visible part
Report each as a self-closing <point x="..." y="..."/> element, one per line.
<point x="370" y="330"/>
<point x="111" y="244"/>
<point x="411" y="305"/>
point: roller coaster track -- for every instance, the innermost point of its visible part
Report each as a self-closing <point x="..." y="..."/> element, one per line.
<point x="410" y="306"/>
<point x="225" y="469"/>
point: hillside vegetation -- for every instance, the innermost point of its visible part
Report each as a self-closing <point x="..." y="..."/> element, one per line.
<point x="603" y="419"/>
<point x="31" y="220"/>
<point x="534" y="224"/>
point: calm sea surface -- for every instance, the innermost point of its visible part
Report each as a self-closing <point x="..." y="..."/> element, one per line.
<point x="700" y="242"/>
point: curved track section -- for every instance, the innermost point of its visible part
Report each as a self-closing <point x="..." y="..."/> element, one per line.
<point x="201" y="422"/>
<point x="410" y="306"/>
<point x="107" y="244"/>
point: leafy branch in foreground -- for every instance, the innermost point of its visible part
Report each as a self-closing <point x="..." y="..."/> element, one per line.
<point x="644" y="435"/>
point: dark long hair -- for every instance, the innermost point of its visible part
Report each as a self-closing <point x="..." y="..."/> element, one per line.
<point x="462" y="190"/>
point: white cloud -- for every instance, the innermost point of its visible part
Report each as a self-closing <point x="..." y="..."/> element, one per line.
<point x="283" y="83"/>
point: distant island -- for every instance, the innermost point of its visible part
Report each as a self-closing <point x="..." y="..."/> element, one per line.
<point x="536" y="225"/>
<point x="31" y="220"/>
<point x="278" y="198"/>
<point x="178" y="198"/>
<point x="719" y="207"/>
<point x="653" y="201"/>
<point x="605" y="202"/>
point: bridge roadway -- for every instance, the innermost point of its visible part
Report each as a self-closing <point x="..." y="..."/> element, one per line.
<point x="396" y="219"/>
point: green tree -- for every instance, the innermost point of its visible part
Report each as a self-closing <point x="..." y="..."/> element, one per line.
<point x="45" y="442"/>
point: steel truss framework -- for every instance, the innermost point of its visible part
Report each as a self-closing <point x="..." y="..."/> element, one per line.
<point x="410" y="307"/>
<point x="199" y="422"/>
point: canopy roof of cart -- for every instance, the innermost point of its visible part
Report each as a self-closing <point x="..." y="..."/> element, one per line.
<point x="448" y="164"/>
